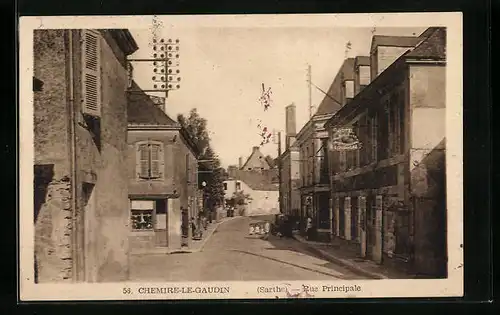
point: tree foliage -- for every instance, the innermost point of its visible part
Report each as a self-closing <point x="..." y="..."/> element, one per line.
<point x="239" y="198"/>
<point x="210" y="170"/>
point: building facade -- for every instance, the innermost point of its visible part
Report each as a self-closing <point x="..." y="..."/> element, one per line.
<point x="80" y="143"/>
<point x="162" y="176"/>
<point x="389" y="196"/>
<point x="311" y="142"/>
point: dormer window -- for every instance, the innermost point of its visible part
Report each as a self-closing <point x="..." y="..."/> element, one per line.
<point x="364" y="75"/>
<point x="349" y="89"/>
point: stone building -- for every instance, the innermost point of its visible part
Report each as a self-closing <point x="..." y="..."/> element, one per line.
<point x="80" y="146"/>
<point x="389" y="197"/>
<point x="162" y="176"/>
<point x="263" y="194"/>
<point x="311" y="141"/>
<point x="289" y="162"/>
<point x="255" y="162"/>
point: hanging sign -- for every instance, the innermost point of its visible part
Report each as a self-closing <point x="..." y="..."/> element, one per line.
<point x="344" y="139"/>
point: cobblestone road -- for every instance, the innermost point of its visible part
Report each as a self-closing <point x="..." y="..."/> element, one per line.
<point x="233" y="255"/>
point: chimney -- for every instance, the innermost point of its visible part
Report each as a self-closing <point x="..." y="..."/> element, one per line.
<point x="254" y="149"/>
<point x="291" y="131"/>
<point x="240" y="162"/>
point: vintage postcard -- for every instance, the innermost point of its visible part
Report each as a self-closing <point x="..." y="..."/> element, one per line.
<point x="240" y="157"/>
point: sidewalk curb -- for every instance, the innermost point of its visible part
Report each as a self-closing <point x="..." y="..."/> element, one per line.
<point x="342" y="262"/>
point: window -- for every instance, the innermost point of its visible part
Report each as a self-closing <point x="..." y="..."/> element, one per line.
<point x="150" y="160"/>
<point x="238" y="186"/>
<point x="342" y="161"/>
<point x="91" y="73"/>
<point x="225" y="186"/>
<point x="373" y="137"/>
<point x="383" y="132"/>
<point x="349" y="89"/>
<point x="364" y="75"/>
<point x="401" y="113"/>
<point x="394" y="124"/>
<point x="141" y="214"/>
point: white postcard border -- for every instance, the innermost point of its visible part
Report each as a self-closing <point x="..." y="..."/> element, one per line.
<point x="452" y="286"/>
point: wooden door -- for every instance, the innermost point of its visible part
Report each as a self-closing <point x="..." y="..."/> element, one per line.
<point x="370" y="225"/>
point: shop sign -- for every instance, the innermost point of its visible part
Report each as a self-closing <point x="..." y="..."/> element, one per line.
<point x="344" y="139"/>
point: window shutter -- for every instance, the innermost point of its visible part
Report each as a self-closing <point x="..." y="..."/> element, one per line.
<point x="91" y="73"/>
<point x="143" y="161"/>
<point x="155" y="163"/>
<point x="157" y="160"/>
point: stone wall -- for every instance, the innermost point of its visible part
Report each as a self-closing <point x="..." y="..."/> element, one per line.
<point x="52" y="202"/>
<point x="53" y="256"/>
<point x="101" y="214"/>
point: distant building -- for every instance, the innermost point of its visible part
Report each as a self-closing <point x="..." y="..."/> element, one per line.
<point x="389" y="196"/>
<point x="256" y="178"/>
<point x="80" y="145"/>
<point x="263" y="196"/>
<point x="162" y="176"/>
<point x="256" y="161"/>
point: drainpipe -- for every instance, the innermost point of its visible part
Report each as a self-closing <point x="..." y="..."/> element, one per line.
<point x="72" y="135"/>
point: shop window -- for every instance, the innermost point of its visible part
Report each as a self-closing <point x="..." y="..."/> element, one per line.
<point x="141" y="215"/>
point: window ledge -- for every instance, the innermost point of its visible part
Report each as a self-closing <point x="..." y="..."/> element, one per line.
<point x="141" y="180"/>
<point x="143" y="232"/>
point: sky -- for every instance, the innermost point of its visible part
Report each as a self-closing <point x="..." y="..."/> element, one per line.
<point x="222" y="70"/>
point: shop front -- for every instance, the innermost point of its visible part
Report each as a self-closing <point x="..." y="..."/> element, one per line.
<point x="149" y="223"/>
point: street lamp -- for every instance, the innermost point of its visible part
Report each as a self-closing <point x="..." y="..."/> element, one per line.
<point x="205" y="206"/>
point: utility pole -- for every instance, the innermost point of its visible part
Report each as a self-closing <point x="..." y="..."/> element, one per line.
<point x="309" y="79"/>
<point x="280" y="195"/>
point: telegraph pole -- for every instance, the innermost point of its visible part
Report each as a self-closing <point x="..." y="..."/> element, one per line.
<point x="280" y="195"/>
<point x="309" y="79"/>
<point x="165" y="60"/>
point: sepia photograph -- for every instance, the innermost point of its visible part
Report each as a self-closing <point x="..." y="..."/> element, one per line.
<point x="266" y="156"/>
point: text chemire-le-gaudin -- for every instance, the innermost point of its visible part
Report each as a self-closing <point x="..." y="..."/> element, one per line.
<point x="183" y="290"/>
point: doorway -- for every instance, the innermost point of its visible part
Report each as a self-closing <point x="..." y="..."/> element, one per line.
<point x="370" y="225"/>
<point x="86" y="257"/>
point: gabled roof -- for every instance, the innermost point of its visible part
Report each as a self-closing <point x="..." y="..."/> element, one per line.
<point x="331" y="102"/>
<point x="256" y="151"/>
<point x="433" y="47"/>
<point x="141" y="110"/>
<point x="394" y="41"/>
<point x="262" y="181"/>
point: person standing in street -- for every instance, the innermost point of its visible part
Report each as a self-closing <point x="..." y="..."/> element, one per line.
<point x="267" y="229"/>
<point x="309" y="228"/>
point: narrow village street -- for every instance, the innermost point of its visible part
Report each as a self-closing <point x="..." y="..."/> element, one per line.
<point x="232" y="255"/>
